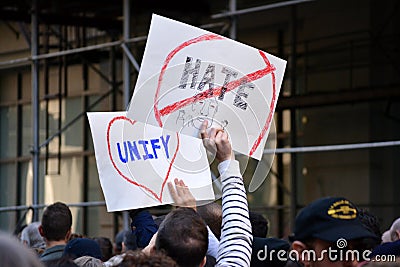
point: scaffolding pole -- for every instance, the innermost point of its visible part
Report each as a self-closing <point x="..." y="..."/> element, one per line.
<point x="35" y="110"/>
<point x="233" y="28"/>
<point x="26" y="60"/>
<point x="293" y="117"/>
<point x="127" y="79"/>
<point x="258" y="8"/>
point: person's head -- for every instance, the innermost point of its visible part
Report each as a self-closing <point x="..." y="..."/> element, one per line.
<point x="31" y="237"/>
<point x="183" y="236"/>
<point x="212" y="215"/>
<point x="371" y="222"/>
<point x="395" y="230"/>
<point x="79" y="247"/>
<point x="129" y="242"/>
<point x="119" y="238"/>
<point x="106" y="247"/>
<point x="259" y="225"/>
<point x="140" y="259"/>
<point x="327" y="227"/>
<point x="13" y="253"/>
<point x="56" y="223"/>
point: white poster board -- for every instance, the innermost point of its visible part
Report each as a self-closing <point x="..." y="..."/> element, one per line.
<point x="188" y="75"/>
<point x="135" y="161"/>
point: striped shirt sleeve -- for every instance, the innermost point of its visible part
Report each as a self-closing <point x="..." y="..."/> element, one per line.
<point x="236" y="235"/>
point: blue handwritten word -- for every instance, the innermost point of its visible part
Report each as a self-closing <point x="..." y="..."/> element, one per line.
<point x="137" y="150"/>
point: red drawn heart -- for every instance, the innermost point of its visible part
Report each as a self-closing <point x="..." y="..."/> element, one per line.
<point x="269" y="69"/>
<point x="154" y="194"/>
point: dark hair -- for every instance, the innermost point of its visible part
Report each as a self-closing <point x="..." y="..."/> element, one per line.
<point x="370" y="221"/>
<point x="183" y="236"/>
<point x="212" y="215"/>
<point x="56" y="221"/>
<point x="140" y="259"/>
<point x="119" y="238"/>
<point x="259" y="225"/>
<point x="130" y="242"/>
<point x="106" y="247"/>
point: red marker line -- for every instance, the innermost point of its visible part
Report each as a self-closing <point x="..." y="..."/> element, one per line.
<point x="271" y="108"/>
<point x="170" y="166"/>
<point x="206" y="37"/>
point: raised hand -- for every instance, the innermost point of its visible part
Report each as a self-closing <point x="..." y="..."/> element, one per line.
<point x="181" y="194"/>
<point x="217" y="141"/>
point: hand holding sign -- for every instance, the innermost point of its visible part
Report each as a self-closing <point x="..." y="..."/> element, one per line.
<point x="217" y="142"/>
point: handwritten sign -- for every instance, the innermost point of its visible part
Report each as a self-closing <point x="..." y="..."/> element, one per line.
<point x="189" y="75"/>
<point x="135" y="161"/>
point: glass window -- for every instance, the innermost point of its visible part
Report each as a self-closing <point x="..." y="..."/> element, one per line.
<point x="26" y="130"/>
<point x="95" y="192"/>
<point x="99" y="219"/>
<point x="8" y="185"/>
<point x="75" y="79"/>
<point x="8" y="86"/>
<point x="27" y="85"/>
<point x="24" y="169"/>
<point x="72" y="139"/>
<point x="53" y="115"/>
<point x="8" y="133"/>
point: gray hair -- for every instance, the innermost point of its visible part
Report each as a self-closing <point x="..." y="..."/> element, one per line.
<point x="31" y="236"/>
<point x="395" y="230"/>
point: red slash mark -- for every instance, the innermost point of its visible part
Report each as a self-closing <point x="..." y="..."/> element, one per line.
<point x="202" y="38"/>
<point x="269" y="69"/>
<point x="132" y="122"/>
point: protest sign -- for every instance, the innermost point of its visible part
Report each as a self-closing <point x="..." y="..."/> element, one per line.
<point x="189" y="75"/>
<point x="134" y="165"/>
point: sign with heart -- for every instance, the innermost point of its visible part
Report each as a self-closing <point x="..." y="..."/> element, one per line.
<point x="135" y="161"/>
<point x="189" y="75"/>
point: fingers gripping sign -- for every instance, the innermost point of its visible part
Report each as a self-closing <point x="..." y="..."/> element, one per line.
<point x="181" y="194"/>
<point x="217" y="142"/>
<point x="208" y="143"/>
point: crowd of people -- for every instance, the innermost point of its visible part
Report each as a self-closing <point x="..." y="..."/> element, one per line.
<point x="330" y="231"/>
